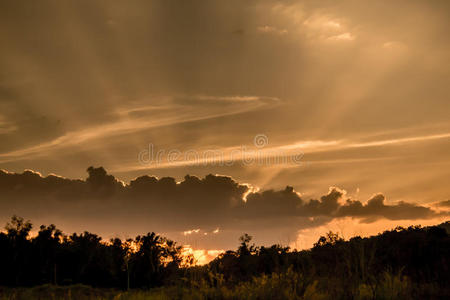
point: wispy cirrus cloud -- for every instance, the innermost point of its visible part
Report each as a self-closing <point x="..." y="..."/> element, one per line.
<point x="272" y="30"/>
<point x="285" y="154"/>
<point x="5" y="126"/>
<point x="170" y="111"/>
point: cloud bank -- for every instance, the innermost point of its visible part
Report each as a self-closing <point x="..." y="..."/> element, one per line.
<point x="214" y="206"/>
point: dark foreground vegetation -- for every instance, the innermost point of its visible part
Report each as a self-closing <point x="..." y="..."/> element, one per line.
<point x="405" y="263"/>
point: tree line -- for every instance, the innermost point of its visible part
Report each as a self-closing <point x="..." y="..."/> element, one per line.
<point x="415" y="256"/>
<point x="52" y="257"/>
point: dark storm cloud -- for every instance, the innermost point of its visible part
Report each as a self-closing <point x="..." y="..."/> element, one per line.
<point x="376" y="208"/>
<point x="207" y="203"/>
<point x="288" y="203"/>
<point x="445" y="203"/>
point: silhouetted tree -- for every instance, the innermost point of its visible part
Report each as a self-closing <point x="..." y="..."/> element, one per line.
<point x="342" y="268"/>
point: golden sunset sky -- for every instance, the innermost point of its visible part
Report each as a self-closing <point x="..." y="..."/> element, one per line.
<point x="351" y="94"/>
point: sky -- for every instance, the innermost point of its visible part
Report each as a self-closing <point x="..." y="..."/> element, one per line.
<point x="309" y="116"/>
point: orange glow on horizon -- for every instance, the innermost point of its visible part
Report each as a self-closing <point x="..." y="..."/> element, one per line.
<point x="201" y="256"/>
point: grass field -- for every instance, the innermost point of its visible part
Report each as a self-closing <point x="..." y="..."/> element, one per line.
<point x="289" y="285"/>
